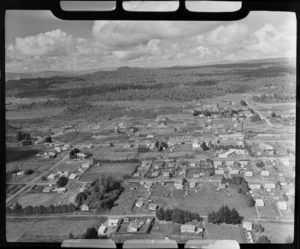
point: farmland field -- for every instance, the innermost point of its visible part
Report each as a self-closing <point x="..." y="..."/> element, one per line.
<point x="279" y="232"/>
<point x="47" y="199"/>
<point x="49" y="230"/>
<point x="112" y="169"/>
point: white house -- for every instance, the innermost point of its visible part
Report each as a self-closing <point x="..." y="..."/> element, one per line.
<point x="259" y="202"/>
<point x="139" y="204"/>
<point x="248" y="173"/>
<point x="51" y="176"/>
<point x="84" y="207"/>
<point x="227" y="153"/>
<point x="247" y="225"/>
<point x="85" y="165"/>
<point x="282" y="205"/>
<point x="152" y="207"/>
<point x="269" y="185"/>
<point x="132" y="227"/>
<point x="187" y="228"/>
<point x="102" y="229"/>
<point x="255" y="186"/>
<point x="178" y="185"/>
<point x="219" y="172"/>
<point x="20" y="173"/>
<point x="217" y="163"/>
<point x="265" y="173"/>
<point x="72" y="176"/>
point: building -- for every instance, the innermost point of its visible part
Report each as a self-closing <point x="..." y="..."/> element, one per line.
<point x="217" y="163"/>
<point x="247" y="225"/>
<point x="219" y="171"/>
<point x="72" y="176"/>
<point x="265" y="173"/>
<point x="187" y="228"/>
<point x="229" y="163"/>
<point x="102" y="229"/>
<point x="248" y="173"/>
<point x="84" y="207"/>
<point x="133" y="227"/>
<point x="51" y="176"/>
<point x="21" y="173"/>
<point x="259" y="202"/>
<point x="269" y="185"/>
<point x="255" y="186"/>
<point x="47" y="189"/>
<point x="85" y="165"/>
<point x="139" y="204"/>
<point x="61" y="190"/>
<point x="282" y="205"/>
<point x="193" y="184"/>
<point x="152" y="207"/>
<point x="112" y="222"/>
<point x="227" y="154"/>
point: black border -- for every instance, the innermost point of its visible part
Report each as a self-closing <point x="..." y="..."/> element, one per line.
<point x="120" y="14"/>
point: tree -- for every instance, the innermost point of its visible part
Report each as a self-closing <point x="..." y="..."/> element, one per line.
<point x="168" y="214"/>
<point x="48" y="139"/>
<point x="242" y="102"/>
<point x="28" y="172"/>
<point x="258" y="228"/>
<point x="160" y="214"/>
<point x="44" y="178"/>
<point x="91" y="233"/>
<point x="250" y="201"/>
<point x="22" y="136"/>
<point x="263" y="240"/>
<point x="260" y="164"/>
<point x="70" y="236"/>
<point x="284" y="197"/>
<point x="62" y="181"/>
<point x="273" y="115"/>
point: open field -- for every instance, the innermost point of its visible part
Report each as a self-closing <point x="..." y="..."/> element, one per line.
<point x="47" y="199"/>
<point x="279" y="232"/>
<point x="48" y="229"/>
<point x="33" y="114"/>
<point x="223" y="232"/>
<point x="206" y="200"/>
<point x="112" y="169"/>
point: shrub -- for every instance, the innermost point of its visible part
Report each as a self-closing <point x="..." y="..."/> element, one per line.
<point x="263" y="240"/>
<point x="224" y="215"/>
<point x="62" y="181"/>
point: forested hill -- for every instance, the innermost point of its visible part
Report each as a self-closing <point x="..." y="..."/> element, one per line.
<point x="175" y="83"/>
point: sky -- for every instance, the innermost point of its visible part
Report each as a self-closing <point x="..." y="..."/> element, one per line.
<point x="38" y="41"/>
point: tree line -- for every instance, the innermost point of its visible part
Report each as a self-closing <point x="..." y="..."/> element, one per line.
<point x="177" y="215"/>
<point x="18" y="209"/>
<point x="225" y="215"/>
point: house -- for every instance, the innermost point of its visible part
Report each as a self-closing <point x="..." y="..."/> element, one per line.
<point x="247" y="225"/>
<point x="219" y="171"/>
<point x="47" y="189"/>
<point x="248" y="173"/>
<point x="57" y="149"/>
<point x="244" y="162"/>
<point x="85" y="165"/>
<point x="178" y="185"/>
<point x="229" y="163"/>
<point x="196" y="176"/>
<point x="187" y="228"/>
<point x="61" y="190"/>
<point x="149" y="136"/>
<point x="152" y="207"/>
<point x="282" y="205"/>
<point x="265" y="173"/>
<point x="166" y="174"/>
<point x="72" y="176"/>
<point x="81" y="155"/>
<point x="227" y="154"/>
<point x="285" y="162"/>
<point x="51" y="176"/>
<point x="234" y="171"/>
<point x="102" y="229"/>
<point x="193" y="184"/>
<point x="269" y="185"/>
<point x="139" y="204"/>
<point x="217" y="163"/>
<point x="133" y="227"/>
<point x="259" y="202"/>
<point x="21" y="173"/>
<point x="84" y="207"/>
<point x="255" y="186"/>
<point x="112" y="222"/>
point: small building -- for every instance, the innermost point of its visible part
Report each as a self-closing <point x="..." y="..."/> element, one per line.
<point x="229" y="163"/>
<point x="282" y="205"/>
<point x="259" y="202"/>
<point x="247" y="225"/>
<point x="72" y="176"/>
<point x="133" y="227"/>
<point x="139" y="204"/>
<point x="51" y="176"/>
<point x="269" y="185"/>
<point x="193" y="184"/>
<point x="227" y="154"/>
<point x="219" y="172"/>
<point x="255" y="186"/>
<point x="248" y="173"/>
<point x="112" y="222"/>
<point x="85" y="165"/>
<point x="152" y="207"/>
<point x="217" y="163"/>
<point x="61" y="190"/>
<point x="84" y="207"/>
<point x="102" y="229"/>
<point x="21" y="173"/>
<point x="187" y="228"/>
<point x="47" y="189"/>
<point x="265" y="173"/>
<point x="178" y="185"/>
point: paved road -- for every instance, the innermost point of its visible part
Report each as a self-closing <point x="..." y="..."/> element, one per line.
<point x="30" y="184"/>
<point x="259" y="113"/>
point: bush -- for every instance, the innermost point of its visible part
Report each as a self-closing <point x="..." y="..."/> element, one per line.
<point x="250" y="201"/>
<point x="260" y="164"/>
<point x="22" y="136"/>
<point x="28" y="172"/>
<point x="224" y="215"/>
<point x="91" y="233"/>
<point x="160" y="214"/>
<point x="48" y="139"/>
<point x="242" y="102"/>
<point x="263" y="240"/>
<point x="62" y="181"/>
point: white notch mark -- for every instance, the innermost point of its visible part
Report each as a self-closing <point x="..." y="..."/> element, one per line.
<point x="88" y="5"/>
<point x="212" y="6"/>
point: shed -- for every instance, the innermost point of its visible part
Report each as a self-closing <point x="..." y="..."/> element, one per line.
<point x="84" y="207"/>
<point x="102" y="229"/>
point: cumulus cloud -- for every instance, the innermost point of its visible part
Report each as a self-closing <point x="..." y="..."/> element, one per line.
<point x="52" y="43"/>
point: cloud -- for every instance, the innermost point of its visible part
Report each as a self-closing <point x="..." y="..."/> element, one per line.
<point x="52" y="43"/>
